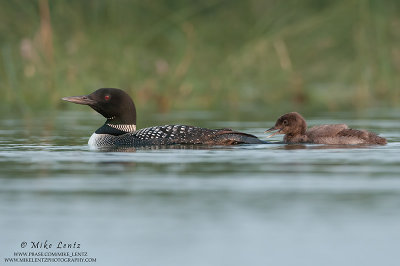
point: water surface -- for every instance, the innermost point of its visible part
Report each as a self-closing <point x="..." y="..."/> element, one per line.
<point x="241" y="205"/>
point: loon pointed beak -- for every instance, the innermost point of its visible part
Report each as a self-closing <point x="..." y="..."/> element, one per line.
<point x="273" y="129"/>
<point x="79" y="100"/>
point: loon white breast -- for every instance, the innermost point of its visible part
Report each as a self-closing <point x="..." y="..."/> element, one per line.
<point x="99" y="140"/>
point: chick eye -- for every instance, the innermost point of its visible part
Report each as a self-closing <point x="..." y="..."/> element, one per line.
<point x="107" y="97"/>
<point x="285" y="122"/>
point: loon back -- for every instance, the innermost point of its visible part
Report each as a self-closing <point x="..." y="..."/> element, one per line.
<point x="172" y="135"/>
<point x="120" y="128"/>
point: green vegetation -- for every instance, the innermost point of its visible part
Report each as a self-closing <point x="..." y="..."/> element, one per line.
<point x="257" y="55"/>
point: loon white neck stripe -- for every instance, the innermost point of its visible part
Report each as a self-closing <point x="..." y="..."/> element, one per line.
<point x="122" y="127"/>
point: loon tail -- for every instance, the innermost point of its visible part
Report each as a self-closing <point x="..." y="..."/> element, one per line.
<point x="230" y="137"/>
<point x="366" y="136"/>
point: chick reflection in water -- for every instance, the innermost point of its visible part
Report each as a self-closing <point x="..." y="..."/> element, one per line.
<point x="294" y="127"/>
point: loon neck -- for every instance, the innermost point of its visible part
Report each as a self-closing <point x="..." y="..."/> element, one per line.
<point x="296" y="138"/>
<point x="122" y="126"/>
<point x="114" y="128"/>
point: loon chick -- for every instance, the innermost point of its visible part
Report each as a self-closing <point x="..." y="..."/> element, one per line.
<point x="294" y="126"/>
<point x="120" y="128"/>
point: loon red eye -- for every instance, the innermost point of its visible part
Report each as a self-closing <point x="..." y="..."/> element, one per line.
<point x="107" y="97"/>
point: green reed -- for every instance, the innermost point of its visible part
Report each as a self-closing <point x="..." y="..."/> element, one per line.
<point x="262" y="56"/>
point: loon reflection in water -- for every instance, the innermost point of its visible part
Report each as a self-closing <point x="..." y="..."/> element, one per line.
<point x="294" y="126"/>
<point x="120" y="128"/>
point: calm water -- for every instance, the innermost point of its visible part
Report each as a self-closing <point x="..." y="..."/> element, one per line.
<point x="242" y="205"/>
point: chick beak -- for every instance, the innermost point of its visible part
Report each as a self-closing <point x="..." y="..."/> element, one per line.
<point x="273" y="129"/>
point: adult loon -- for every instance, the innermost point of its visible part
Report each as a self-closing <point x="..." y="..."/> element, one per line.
<point x="120" y="128"/>
<point x="294" y="126"/>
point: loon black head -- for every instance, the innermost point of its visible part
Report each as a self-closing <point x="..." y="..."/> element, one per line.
<point x="114" y="104"/>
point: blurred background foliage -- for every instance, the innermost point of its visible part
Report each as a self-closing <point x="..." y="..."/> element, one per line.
<point x="238" y="56"/>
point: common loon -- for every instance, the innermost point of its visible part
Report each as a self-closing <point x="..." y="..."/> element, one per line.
<point x="294" y="126"/>
<point x="120" y="128"/>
